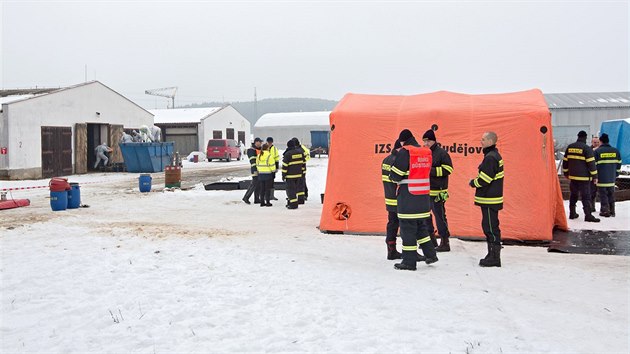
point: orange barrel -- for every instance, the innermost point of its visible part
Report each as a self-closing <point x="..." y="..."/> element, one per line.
<point x="172" y="177"/>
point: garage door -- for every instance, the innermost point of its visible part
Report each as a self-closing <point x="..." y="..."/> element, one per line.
<point x="184" y="138"/>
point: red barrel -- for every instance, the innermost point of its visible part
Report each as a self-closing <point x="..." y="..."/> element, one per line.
<point x="58" y="184"/>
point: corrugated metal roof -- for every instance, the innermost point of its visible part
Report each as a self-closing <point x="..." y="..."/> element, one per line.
<point x="588" y="100"/>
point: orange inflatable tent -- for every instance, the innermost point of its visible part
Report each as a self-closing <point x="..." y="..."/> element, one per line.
<point x="365" y="127"/>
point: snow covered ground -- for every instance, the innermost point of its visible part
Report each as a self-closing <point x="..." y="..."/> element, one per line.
<point x="200" y="271"/>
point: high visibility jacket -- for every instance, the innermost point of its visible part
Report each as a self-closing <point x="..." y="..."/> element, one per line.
<point x="608" y="161"/>
<point x="578" y="163"/>
<point x="273" y="150"/>
<point x="441" y="168"/>
<point x="489" y="181"/>
<point x="410" y="206"/>
<point x="292" y="163"/>
<point x="252" y="152"/>
<point x="389" y="186"/>
<point x="307" y="155"/>
<point x="265" y="163"/>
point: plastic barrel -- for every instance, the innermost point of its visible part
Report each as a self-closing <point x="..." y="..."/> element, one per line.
<point x="59" y="200"/>
<point x="173" y="177"/>
<point x="145" y="183"/>
<point x="74" y="196"/>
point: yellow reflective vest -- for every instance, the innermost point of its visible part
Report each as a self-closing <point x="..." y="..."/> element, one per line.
<point x="265" y="163"/>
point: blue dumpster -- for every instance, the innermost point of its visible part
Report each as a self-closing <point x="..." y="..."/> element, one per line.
<point x="146" y="157"/>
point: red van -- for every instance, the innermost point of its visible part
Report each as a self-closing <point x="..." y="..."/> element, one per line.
<point x="223" y="149"/>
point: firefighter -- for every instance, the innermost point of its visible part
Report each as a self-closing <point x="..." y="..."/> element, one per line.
<point x="489" y="196"/>
<point x="273" y="150"/>
<point x="303" y="188"/>
<point x="441" y="168"/>
<point x="595" y="144"/>
<point x="292" y="163"/>
<point x="411" y="171"/>
<point x="608" y="162"/>
<point x="579" y="167"/>
<point x="266" y="166"/>
<point x="390" y="203"/>
<point x="254" y="187"/>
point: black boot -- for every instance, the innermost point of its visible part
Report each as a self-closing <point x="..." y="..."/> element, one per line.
<point x="391" y="251"/>
<point x="588" y="216"/>
<point x="604" y="211"/>
<point x="246" y="200"/>
<point x="572" y="213"/>
<point x="429" y="252"/>
<point x="488" y="255"/>
<point x="494" y="258"/>
<point x="611" y="206"/>
<point x="408" y="261"/>
<point x="421" y="258"/>
<point x="444" y="245"/>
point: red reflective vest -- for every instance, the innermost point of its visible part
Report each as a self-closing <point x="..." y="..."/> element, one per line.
<point x="420" y="160"/>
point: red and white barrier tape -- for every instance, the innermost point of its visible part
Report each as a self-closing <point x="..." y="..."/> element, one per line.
<point x="36" y="187"/>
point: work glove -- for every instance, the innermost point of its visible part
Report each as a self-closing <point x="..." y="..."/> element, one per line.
<point x="472" y="183"/>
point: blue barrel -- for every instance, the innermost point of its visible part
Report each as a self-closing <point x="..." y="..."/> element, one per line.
<point x="59" y="200"/>
<point x="74" y="196"/>
<point x="145" y="183"/>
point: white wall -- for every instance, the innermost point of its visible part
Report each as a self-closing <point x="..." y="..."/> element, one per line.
<point x="63" y="109"/>
<point x="228" y="117"/>
<point x="282" y="134"/>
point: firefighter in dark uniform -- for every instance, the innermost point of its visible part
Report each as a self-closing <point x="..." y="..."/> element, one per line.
<point x="441" y="168"/>
<point x="411" y="171"/>
<point x="608" y="162"/>
<point x="390" y="203"/>
<point x="302" y="189"/>
<point x="489" y="196"/>
<point x="579" y="167"/>
<point x="254" y="187"/>
<point x="292" y="164"/>
<point x="595" y="144"/>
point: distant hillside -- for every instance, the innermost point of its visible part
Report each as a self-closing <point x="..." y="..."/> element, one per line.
<point x="273" y="105"/>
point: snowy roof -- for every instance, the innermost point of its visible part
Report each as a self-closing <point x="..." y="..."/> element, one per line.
<point x="588" y="100"/>
<point x="9" y="99"/>
<point x="293" y="119"/>
<point x="182" y="115"/>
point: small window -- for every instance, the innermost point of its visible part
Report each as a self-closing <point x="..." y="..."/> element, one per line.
<point x="216" y="143"/>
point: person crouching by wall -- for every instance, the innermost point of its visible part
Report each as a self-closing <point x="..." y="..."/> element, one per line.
<point x="266" y="166"/>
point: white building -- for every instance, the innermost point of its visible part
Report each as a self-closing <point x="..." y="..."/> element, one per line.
<point x="191" y="128"/>
<point x="45" y="133"/>
<point x="285" y="126"/>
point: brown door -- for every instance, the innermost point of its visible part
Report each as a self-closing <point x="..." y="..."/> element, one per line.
<point x="56" y="151"/>
<point x="241" y="137"/>
<point x="229" y="133"/>
<point x="115" y="132"/>
<point x="80" y="148"/>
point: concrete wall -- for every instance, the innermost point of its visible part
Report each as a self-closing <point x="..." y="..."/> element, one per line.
<point x="227" y="117"/>
<point x="22" y="122"/>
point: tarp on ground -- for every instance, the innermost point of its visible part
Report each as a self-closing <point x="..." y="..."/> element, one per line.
<point x="618" y="131"/>
<point x="363" y="131"/>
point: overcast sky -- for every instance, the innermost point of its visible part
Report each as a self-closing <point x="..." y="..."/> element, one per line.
<point x="222" y="50"/>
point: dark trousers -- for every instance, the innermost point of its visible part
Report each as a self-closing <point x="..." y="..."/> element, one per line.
<point x="593" y="195"/>
<point x="490" y="225"/>
<point x="607" y="197"/>
<point x="301" y="191"/>
<point x="582" y="188"/>
<point x="305" y="186"/>
<point x="292" y="188"/>
<point x="254" y="188"/>
<point x="392" y="227"/>
<point x="439" y="211"/>
<point x="414" y="233"/>
<point x="265" y="190"/>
